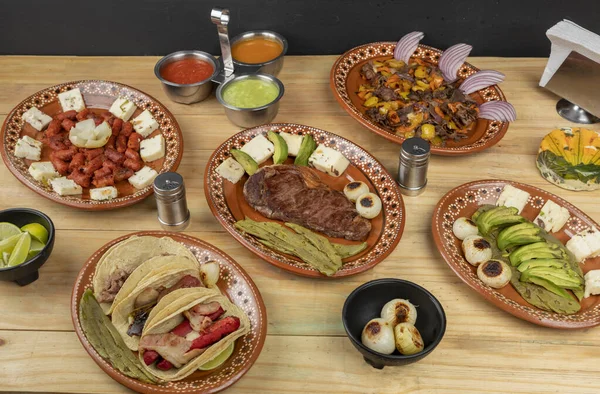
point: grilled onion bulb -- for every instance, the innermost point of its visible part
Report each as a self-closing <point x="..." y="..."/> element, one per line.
<point x="408" y="339"/>
<point x="355" y="189"/>
<point x="463" y="227"/>
<point x="494" y="273"/>
<point x="378" y="335"/>
<point x="399" y="311"/>
<point x="368" y="205"/>
<point x="477" y="249"/>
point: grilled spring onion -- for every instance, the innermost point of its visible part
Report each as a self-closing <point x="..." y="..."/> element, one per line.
<point x="106" y="340"/>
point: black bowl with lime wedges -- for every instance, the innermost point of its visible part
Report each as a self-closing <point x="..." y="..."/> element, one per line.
<point x="26" y="242"/>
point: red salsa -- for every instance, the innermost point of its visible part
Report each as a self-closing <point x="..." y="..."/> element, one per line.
<point x="187" y="71"/>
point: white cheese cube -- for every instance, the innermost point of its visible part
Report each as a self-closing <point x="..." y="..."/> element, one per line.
<point x="144" y="123"/>
<point x="231" y="170"/>
<point x="591" y="237"/>
<point x="152" y="148"/>
<point x="103" y="193"/>
<point x="293" y="141"/>
<point x="122" y="108"/>
<point x="71" y="99"/>
<point x="36" y="118"/>
<point x="65" y="187"/>
<point x="513" y="197"/>
<point x="43" y="171"/>
<point x="328" y="160"/>
<point x="578" y="247"/>
<point x="552" y="217"/>
<point x="143" y="177"/>
<point x="259" y="148"/>
<point x="592" y="283"/>
<point x="28" y="148"/>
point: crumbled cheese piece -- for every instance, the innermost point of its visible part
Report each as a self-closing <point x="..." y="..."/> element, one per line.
<point x="328" y="160"/>
<point x="36" y="118"/>
<point x="144" y="124"/>
<point x="513" y="197"/>
<point x="259" y="148"/>
<point x="552" y="217"/>
<point x="231" y="170"/>
<point x="71" y="99"/>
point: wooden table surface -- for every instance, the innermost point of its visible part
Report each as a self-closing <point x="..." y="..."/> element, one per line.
<point x="484" y="349"/>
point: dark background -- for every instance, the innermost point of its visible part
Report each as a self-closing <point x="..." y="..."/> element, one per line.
<point x="157" y="27"/>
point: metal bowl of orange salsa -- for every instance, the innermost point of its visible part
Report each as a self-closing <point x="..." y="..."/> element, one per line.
<point x="259" y="48"/>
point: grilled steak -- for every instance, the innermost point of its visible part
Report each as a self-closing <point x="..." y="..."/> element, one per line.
<point x="295" y="194"/>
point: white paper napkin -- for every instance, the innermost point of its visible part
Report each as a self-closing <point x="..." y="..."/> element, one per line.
<point x="566" y="37"/>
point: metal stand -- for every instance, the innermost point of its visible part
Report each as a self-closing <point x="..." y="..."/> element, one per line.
<point x="574" y="113"/>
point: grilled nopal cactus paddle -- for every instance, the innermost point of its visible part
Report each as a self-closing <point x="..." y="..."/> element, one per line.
<point x="570" y="158"/>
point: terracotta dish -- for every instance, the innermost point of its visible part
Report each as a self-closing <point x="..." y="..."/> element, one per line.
<point x="234" y="282"/>
<point x="464" y="201"/>
<point x="345" y="80"/>
<point x="97" y="95"/>
<point x="226" y="200"/>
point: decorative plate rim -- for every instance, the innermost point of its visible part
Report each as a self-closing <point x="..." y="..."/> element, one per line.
<point x="76" y="202"/>
<point x="278" y="259"/>
<point x="500" y="127"/>
<point x="135" y="384"/>
<point x="528" y="312"/>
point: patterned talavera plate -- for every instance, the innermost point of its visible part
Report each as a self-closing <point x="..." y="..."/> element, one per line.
<point x="463" y="201"/>
<point x="226" y="200"/>
<point x="234" y="282"/>
<point x="345" y="80"/>
<point x="97" y="95"/>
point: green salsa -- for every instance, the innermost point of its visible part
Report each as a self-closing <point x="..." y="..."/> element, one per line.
<point x="250" y="93"/>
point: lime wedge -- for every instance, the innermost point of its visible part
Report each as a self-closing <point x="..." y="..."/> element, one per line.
<point x="21" y="250"/>
<point x="220" y="359"/>
<point x="4" y="260"/>
<point x="37" y="231"/>
<point x="7" y="230"/>
<point x="7" y="245"/>
<point x="35" y="249"/>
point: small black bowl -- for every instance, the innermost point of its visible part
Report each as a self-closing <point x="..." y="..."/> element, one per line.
<point x="365" y="303"/>
<point x="27" y="272"/>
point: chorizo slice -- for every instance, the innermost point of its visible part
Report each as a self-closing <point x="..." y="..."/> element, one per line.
<point x="93" y="165"/>
<point x="131" y="154"/>
<point x="61" y="166"/>
<point x="72" y="114"/>
<point x="104" y="181"/>
<point x="122" y="174"/>
<point x="114" y="156"/>
<point x="91" y="154"/>
<point x="77" y="162"/>
<point x="54" y="128"/>
<point x="116" y="126"/>
<point x="80" y="178"/>
<point x="111" y="165"/>
<point x="58" y="142"/>
<point x="83" y="114"/>
<point x="127" y="129"/>
<point x="133" y="164"/>
<point x="111" y="142"/>
<point x="65" y="154"/>
<point x="102" y="172"/>
<point x="67" y="124"/>
<point x="121" y="143"/>
<point x="134" y="142"/>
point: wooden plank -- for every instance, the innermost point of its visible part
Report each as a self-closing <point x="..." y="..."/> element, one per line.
<point x="56" y="362"/>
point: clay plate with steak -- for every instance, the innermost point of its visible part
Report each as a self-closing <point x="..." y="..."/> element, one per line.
<point x="161" y="312"/>
<point x="91" y="144"/>
<point x="305" y="200"/>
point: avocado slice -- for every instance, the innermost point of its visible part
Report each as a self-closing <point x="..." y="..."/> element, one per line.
<point x="307" y="147"/>
<point x="521" y="239"/>
<point x="549" y="286"/>
<point x="250" y="166"/>
<point x="554" y="279"/>
<point x="544" y="262"/>
<point x="538" y="250"/>
<point x="281" y="149"/>
<point x="497" y="216"/>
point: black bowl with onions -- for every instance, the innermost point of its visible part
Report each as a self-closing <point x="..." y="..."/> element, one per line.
<point x="27" y="272"/>
<point x="365" y="303"/>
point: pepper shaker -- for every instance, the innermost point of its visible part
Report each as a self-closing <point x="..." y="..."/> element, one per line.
<point x="412" y="169"/>
<point x="169" y="191"/>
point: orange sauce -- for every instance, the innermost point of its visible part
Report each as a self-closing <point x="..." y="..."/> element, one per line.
<point x="187" y="71"/>
<point x="256" y="50"/>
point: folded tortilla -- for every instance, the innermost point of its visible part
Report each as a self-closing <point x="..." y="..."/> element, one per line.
<point x="115" y="266"/>
<point x="169" y="313"/>
<point x="160" y="271"/>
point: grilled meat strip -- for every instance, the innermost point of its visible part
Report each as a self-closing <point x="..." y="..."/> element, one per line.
<point x="296" y="194"/>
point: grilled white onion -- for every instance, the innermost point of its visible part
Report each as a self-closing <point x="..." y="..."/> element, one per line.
<point x="209" y="273"/>
<point x="477" y="249"/>
<point x="399" y="311"/>
<point x="463" y="227"/>
<point x="368" y="205"/>
<point x="494" y="273"/>
<point x="355" y="189"/>
<point x="379" y="336"/>
<point x="408" y="339"/>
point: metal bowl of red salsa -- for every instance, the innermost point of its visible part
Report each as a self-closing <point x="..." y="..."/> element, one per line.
<point x="186" y="76"/>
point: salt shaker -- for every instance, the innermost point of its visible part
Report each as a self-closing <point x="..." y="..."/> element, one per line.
<point x="412" y="169"/>
<point x="169" y="191"/>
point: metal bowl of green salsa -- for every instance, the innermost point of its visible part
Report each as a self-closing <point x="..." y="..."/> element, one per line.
<point x="251" y="100"/>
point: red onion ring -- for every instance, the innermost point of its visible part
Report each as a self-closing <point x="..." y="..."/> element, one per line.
<point x="481" y="80"/>
<point x="452" y="59"/>
<point x="407" y="46"/>
<point x="501" y="111"/>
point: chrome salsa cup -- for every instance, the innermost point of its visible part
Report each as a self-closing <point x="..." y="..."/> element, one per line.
<point x="272" y="67"/>
<point x="187" y="93"/>
<point x="250" y="117"/>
